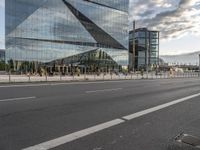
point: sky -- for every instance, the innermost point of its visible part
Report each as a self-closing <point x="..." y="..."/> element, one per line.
<point x="177" y="20"/>
<point x="2" y="24"/>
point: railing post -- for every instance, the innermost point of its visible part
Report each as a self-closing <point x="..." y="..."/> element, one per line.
<point x="9" y="74"/>
<point x="199" y="66"/>
<point x="29" y="77"/>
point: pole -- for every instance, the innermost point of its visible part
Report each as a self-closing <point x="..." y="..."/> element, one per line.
<point x="147" y="53"/>
<point x="133" y="55"/>
<point x="132" y="50"/>
<point x="85" y="73"/>
<point x="199" y="65"/>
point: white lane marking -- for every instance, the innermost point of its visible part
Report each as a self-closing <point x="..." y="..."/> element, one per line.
<point x="153" y="109"/>
<point x="74" y="136"/>
<point x="80" y="134"/>
<point x="16" y="99"/>
<point x="104" y="90"/>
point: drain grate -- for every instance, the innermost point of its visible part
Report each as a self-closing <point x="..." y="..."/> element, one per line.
<point x="188" y="139"/>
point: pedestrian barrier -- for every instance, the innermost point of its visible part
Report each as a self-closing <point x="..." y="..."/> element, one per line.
<point x="95" y="77"/>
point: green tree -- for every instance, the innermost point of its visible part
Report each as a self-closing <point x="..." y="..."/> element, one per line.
<point x="10" y="65"/>
<point x="2" y="66"/>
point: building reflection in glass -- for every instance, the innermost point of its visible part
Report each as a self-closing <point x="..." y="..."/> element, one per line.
<point x="45" y="32"/>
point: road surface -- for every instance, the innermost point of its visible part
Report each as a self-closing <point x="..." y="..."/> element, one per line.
<point x="114" y="115"/>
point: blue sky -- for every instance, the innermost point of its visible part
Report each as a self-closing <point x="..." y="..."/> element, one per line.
<point x="177" y="20"/>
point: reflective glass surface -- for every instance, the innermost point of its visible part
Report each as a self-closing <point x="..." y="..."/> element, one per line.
<point x="48" y="30"/>
<point x="2" y="55"/>
<point x="112" y="21"/>
<point x="117" y="4"/>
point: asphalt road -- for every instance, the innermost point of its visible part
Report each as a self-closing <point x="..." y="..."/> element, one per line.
<point x="92" y="115"/>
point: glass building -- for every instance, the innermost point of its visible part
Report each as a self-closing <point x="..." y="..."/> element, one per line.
<point x="146" y="51"/>
<point x="66" y="33"/>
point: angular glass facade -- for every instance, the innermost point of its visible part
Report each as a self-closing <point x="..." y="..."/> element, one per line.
<point x="50" y="31"/>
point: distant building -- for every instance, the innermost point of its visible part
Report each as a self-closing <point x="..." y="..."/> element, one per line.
<point x="2" y="55"/>
<point x="146" y="49"/>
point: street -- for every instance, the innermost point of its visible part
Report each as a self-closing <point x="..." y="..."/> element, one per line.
<point x="103" y="115"/>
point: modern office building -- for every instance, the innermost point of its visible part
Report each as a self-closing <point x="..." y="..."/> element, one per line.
<point x="145" y="51"/>
<point x="88" y="33"/>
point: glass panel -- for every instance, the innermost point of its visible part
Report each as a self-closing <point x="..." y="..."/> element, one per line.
<point x="154" y="35"/>
<point x="56" y="22"/>
<point x="114" y="22"/>
<point x="117" y="4"/>
<point x="141" y="61"/>
<point x="18" y="10"/>
<point x="141" y="54"/>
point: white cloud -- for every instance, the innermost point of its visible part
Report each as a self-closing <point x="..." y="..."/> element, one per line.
<point x="2" y="3"/>
<point x="174" y="18"/>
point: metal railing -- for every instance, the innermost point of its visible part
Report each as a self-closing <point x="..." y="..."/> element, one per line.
<point x="10" y="78"/>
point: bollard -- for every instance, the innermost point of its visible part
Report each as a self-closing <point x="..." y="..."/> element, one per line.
<point x="60" y="76"/>
<point x="46" y="76"/>
<point x="29" y="77"/>
<point x="85" y="73"/>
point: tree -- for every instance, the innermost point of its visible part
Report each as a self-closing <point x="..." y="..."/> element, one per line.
<point x="10" y="65"/>
<point x="2" y="65"/>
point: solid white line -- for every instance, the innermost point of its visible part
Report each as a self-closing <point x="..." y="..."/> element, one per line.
<point x="16" y="99"/>
<point x="104" y="90"/>
<point x="147" y="111"/>
<point x="74" y="136"/>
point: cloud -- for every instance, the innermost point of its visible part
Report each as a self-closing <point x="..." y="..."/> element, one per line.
<point x="174" y="18"/>
<point x="2" y="3"/>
